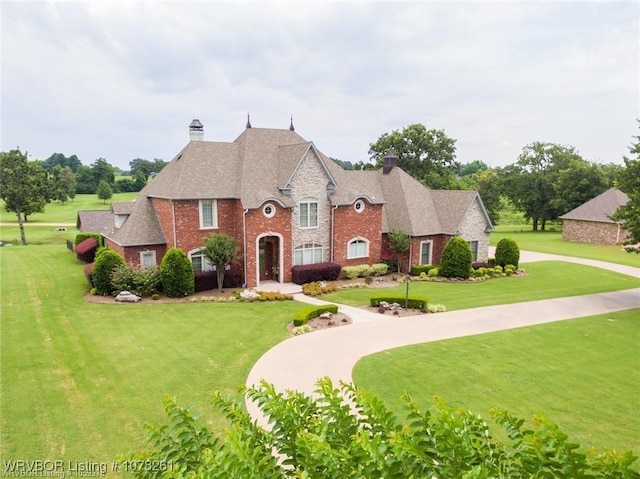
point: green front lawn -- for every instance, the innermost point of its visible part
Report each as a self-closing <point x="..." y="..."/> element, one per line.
<point x="551" y="242"/>
<point x="545" y="280"/>
<point x="79" y="379"/>
<point x="582" y="374"/>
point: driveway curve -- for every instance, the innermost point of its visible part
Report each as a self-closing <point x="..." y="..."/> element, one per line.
<point x="298" y="362"/>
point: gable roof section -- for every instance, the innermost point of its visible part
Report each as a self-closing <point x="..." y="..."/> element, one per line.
<point x="599" y="208"/>
<point x="409" y="204"/>
<point x="94" y="221"/>
<point x="453" y="205"/>
<point x="121" y="207"/>
<point x="141" y="228"/>
<point x="202" y="170"/>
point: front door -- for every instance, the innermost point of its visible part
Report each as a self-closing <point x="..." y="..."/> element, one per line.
<point x="268" y="258"/>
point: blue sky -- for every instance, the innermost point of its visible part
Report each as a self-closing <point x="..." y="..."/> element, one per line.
<point x="123" y="79"/>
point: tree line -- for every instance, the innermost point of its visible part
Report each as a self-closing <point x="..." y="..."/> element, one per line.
<point x="546" y="181"/>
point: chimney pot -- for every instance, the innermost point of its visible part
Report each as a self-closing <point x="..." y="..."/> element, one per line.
<point x="196" y="131"/>
<point x="390" y="161"/>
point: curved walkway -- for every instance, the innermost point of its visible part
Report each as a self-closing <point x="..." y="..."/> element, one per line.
<point x="298" y="362"/>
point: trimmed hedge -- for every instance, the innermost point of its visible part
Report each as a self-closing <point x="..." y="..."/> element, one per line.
<point x="304" y="315"/>
<point x="413" y="303"/>
<point x="176" y="275"/>
<point x="107" y="261"/>
<point x="416" y="269"/>
<point x="309" y="273"/>
<point x="80" y="237"/>
<point x="456" y="259"/>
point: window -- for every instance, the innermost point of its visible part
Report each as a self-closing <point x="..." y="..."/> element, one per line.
<point x="147" y="258"/>
<point x="358" y="248"/>
<point x="199" y="262"/>
<point x="474" y="250"/>
<point x="310" y="253"/>
<point x="425" y="252"/>
<point x="269" y="210"/>
<point x="208" y="214"/>
<point x="308" y="213"/>
<point x="359" y="206"/>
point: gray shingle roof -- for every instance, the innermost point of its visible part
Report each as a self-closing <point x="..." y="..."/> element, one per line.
<point x="599" y="208"/>
<point x="94" y="221"/>
<point x="259" y="163"/>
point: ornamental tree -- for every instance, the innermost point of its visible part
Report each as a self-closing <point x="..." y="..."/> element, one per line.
<point x="399" y="241"/>
<point x="221" y="250"/>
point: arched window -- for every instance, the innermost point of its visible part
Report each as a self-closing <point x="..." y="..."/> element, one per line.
<point x="308" y="213"/>
<point x="358" y="248"/>
<point x="199" y="261"/>
<point x="309" y="253"/>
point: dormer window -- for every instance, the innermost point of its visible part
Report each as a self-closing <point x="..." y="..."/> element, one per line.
<point x="308" y="213"/>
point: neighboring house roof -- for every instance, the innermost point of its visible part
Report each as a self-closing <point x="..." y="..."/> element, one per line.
<point x="600" y="208"/>
<point x="95" y="221"/>
<point x="259" y="165"/>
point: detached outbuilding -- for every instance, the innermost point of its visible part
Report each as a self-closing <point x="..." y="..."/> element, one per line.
<point x="591" y="222"/>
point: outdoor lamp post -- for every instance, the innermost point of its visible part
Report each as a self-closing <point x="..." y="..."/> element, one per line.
<point x="406" y="298"/>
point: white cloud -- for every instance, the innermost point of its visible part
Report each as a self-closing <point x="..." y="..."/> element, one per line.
<point x="122" y="80"/>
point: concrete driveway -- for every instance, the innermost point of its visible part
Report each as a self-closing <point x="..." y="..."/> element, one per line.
<point x="298" y="362"/>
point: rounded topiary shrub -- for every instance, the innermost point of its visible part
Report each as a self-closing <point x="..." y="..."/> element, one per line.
<point x="507" y="252"/>
<point x="456" y="259"/>
<point x="176" y="274"/>
<point x="105" y="262"/>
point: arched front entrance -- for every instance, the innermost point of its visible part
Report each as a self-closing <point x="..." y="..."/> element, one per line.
<point x="269" y="259"/>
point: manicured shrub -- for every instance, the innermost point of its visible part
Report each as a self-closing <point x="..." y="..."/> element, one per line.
<point x="140" y="281"/>
<point x="309" y="273"/>
<point x="416" y="269"/>
<point x="433" y="272"/>
<point x="80" y="237"/>
<point x="507" y="252"/>
<point x="317" y="288"/>
<point x="107" y="261"/>
<point x="176" y="274"/>
<point x="456" y="259"/>
<point x="380" y="269"/>
<point x="304" y="315"/>
<point x="357" y="271"/>
<point x="413" y="302"/>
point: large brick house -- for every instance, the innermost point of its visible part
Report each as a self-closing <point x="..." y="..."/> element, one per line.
<point x="286" y="203"/>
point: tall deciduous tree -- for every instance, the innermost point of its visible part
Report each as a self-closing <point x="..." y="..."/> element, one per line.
<point x="629" y="183"/>
<point x="221" y="250"/>
<point x="25" y="186"/>
<point x="487" y="183"/>
<point x="530" y="183"/>
<point x="427" y="155"/>
<point x="104" y="191"/>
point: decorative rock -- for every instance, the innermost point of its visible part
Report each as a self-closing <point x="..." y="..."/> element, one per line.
<point x="326" y="315"/>
<point x="248" y="294"/>
<point x="127" y="297"/>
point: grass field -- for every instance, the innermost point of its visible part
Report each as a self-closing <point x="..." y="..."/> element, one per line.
<point x="551" y="242"/>
<point x="544" y="280"/>
<point x="582" y="374"/>
<point x="79" y="379"/>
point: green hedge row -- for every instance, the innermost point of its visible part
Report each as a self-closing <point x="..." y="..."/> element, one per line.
<point x="416" y="269"/>
<point x="413" y="303"/>
<point x="304" y="315"/>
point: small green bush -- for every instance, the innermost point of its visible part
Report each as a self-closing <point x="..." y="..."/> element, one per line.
<point x="155" y="296"/>
<point x="418" y="269"/>
<point x="497" y="269"/>
<point x="140" y="281"/>
<point x="105" y="263"/>
<point x="507" y="252"/>
<point x="413" y="302"/>
<point x="304" y="315"/>
<point x="456" y="259"/>
<point x="358" y="271"/>
<point x="380" y="269"/>
<point x="433" y="272"/>
<point x="317" y="288"/>
<point x="176" y="275"/>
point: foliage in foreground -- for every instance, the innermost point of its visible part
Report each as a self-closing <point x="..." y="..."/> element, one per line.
<point x="343" y="432"/>
<point x="176" y="274"/>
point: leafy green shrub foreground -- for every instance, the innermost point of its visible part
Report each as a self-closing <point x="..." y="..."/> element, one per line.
<point x="176" y="274"/>
<point x="343" y="432"/>
<point x="507" y="252"/>
<point x="106" y="262"/>
<point x="456" y="259"/>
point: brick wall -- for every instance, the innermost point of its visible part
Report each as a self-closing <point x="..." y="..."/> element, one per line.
<point x="592" y="232"/>
<point x="131" y="254"/>
<point x="350" y="224"/>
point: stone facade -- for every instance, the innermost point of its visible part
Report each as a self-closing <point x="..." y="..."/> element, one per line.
<point x="596" y="232"/>
<point x="473" y="227"/>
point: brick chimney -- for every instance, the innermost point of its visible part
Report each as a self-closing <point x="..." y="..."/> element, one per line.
<point x="196" y="131"/>
<point x="390" y="160"/>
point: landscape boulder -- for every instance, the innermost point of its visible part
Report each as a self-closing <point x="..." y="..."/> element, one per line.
<point x="127" y="297"/>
